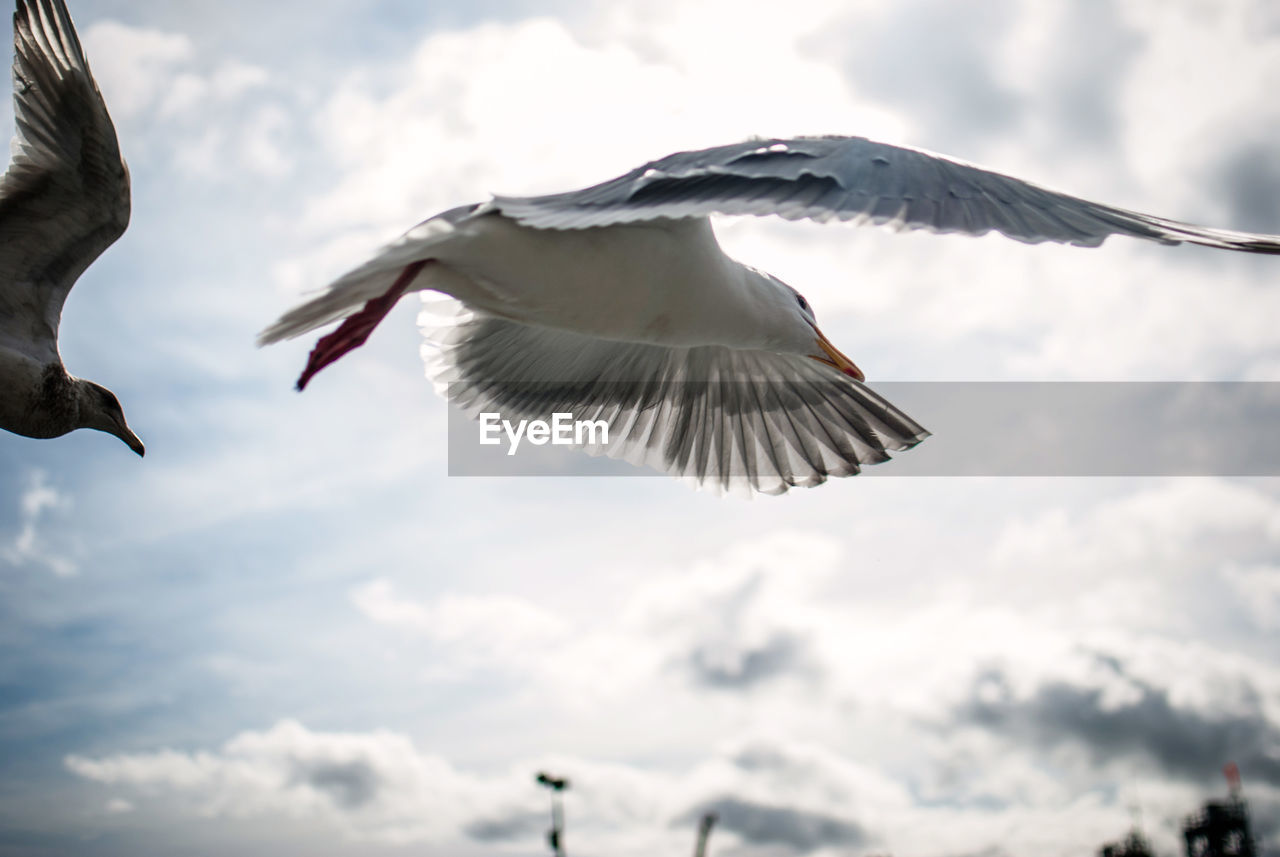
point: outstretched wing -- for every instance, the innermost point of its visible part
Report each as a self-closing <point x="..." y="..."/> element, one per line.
<point x="65" y="196"/>
<point x="725" y="419"/>
<point x="852" y="178"/>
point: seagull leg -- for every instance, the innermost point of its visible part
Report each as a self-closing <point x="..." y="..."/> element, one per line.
<point x="353" y="332"/>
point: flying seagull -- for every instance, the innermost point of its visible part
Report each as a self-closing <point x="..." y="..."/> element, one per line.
<point x="615" y="302"/>
<point x="63" y="200"/>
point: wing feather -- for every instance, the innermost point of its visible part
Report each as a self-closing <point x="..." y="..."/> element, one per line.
<point x="859" y="180"/>
<point x="726" y="419"/>
<point x="65" y="196"/>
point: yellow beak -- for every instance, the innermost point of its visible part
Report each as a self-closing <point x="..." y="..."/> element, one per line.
<point x="835" y="359"/>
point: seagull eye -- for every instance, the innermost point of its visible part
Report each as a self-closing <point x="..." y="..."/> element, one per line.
<point x="804" y="304"/>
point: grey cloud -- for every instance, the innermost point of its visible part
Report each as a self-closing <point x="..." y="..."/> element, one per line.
<point x="1250" y="180"/>
<point x="781" y="654"/>
<point x="1183" y="742"/>
<point x="762" y="757"/>
<point x="727" y="650"/>
<point x="1265" y="15"/>
<point x="934" y="58"/>
<point x="1093" y="50"/>
<point x="1264" y="818"/>
<point x="519" y="824"/>
<point x="350" y="785"/>
<point x="940" y="62"/>
<point x="764" y="824"/>
<point x="1090" y="428"/>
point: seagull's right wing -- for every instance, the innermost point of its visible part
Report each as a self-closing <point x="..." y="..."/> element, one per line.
<point x="65" y="196"/>
<point x="859" y="180"/>
<point x="725" y="419"/>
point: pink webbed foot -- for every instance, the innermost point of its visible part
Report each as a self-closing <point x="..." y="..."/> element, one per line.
<point x="353" y="332"/>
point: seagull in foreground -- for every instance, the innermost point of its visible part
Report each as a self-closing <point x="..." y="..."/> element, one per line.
<point x="615" y="302"/>
<point x="63" y="200"/>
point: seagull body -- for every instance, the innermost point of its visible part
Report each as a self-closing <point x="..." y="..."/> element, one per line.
<point x="616" y="302"/>
<point x="668" y="282"/>
<point x="63" y="200"/>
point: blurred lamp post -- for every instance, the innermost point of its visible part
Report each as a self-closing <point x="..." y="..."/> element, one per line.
<point x="555" y="837"/>
<point x="704" y="832"/>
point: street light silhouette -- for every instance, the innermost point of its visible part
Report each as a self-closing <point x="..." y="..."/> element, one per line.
<point x="555" y="837"/>
<point x="707" y="822"/>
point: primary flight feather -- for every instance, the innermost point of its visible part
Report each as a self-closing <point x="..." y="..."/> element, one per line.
<point x="63" y="200"/>
<point x="616" y="301"/>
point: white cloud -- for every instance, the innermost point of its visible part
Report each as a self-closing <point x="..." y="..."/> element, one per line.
<point x="32" y="546"/>
<point x="228" y="82"/>
<point x="1259" y="589"/>
<point x="372" y="785"/>
<point x="233" y="78"/>
<point x="532" y="107"/>
<point x="378" y="786"/>
<point x="262" y="150"/>
<point x="1143" y="561"/>
<point x="737" y="620"/>
<point x="759" y="631"/>
<point x="207" y="117"/>
<point x="855" y="728"/>
<point x="1063" y="585"/>
<point x="134" y="66"/>
<point x="1215" y="58"/>
<point x="140" y="69"/>
<point x="499" y="631"/>
<point x="118" y="806"/>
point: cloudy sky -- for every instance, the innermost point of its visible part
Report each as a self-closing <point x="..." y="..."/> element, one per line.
<point x="287" y="631"/>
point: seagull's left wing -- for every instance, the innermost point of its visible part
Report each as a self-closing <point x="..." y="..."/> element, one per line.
<point x="65" y="196"/>
<point x="852" y="178"/>
<point x="726" y="419"/>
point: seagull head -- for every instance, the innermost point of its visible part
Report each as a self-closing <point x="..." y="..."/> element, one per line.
<point x="803" y="335"/>
<point x="100" y="410"/>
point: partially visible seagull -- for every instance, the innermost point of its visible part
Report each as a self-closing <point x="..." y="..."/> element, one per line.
<point x="616" y="302"/>
<point x="63" y="200"/>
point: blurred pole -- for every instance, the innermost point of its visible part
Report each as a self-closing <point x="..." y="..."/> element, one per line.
<point x="704" y="833"/>
<point x="555" y="836"/>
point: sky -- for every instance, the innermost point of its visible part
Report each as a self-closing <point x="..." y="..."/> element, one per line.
<point x="288" y="631"/>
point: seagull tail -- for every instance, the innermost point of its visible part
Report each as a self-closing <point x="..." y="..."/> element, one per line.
<point x="348" y="294"/>
<point x="343" y="297"/>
